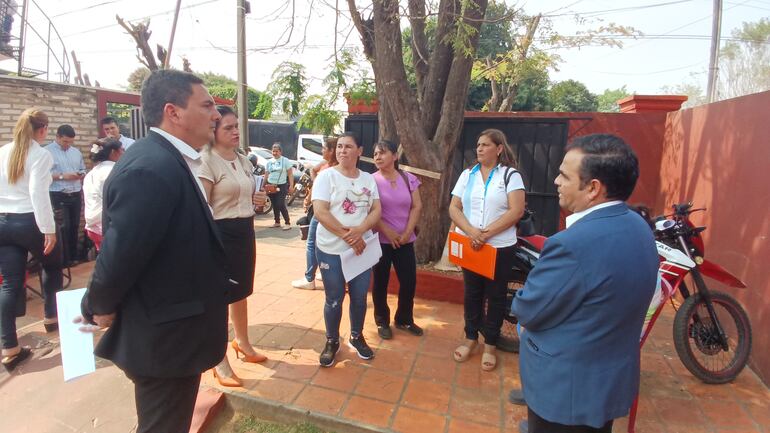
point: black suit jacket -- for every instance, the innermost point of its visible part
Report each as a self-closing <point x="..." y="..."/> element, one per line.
<point x="161" y="267"/>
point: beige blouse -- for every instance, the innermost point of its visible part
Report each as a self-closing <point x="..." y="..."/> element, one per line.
<point x="233" y="185"/>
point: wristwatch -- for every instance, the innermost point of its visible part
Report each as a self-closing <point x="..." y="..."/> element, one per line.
<point x="61" y="176"/>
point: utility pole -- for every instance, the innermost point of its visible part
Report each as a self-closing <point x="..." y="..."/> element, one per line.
<point x="716" y="31"/>
<point x="173" y="32"/>
<point x="243" y="97"/>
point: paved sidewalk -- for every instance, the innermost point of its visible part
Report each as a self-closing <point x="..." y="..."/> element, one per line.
<point x="412" y="384"/>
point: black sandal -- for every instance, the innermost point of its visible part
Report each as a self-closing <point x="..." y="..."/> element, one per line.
<point x="410" y="328"/>
<point x="13" y="361"/>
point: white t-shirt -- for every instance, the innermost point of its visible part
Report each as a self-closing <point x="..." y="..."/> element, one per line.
<point x="487" y="204"/>
<point x="349" y="201"/>
<point x="93" y="189"/>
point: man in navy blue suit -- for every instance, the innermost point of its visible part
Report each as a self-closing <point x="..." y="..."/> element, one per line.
<point x="583" y="305"/>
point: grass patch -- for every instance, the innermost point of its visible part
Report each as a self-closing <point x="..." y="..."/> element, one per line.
<point x="251" y="424"/>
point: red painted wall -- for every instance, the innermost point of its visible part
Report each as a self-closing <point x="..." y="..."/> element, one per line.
<point x="718" y="157"/>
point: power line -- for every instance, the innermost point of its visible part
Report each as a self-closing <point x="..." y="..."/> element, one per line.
<point x="87" y="8"/>
<point x="141" y="18"/>
<point x="608" y="11"/>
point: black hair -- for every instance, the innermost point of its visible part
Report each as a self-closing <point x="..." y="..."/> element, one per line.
<point x="105" y="147"/>
<point x="609" y="160"/>
<point x="388" y="146"/>
<point x="352" y="135"/>
<point x="165" y="86"/>
<point x="223" y="110"/>
<point x="65" y="131"/>
<point x="278" y="145"/>
<point x="107" y="120"/>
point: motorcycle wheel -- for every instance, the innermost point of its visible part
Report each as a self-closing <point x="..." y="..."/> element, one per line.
<point x="696" y="338"/>
<point x="267" y="208"/>
<point x="302" y="193"/>
<point x="290" y="198"/>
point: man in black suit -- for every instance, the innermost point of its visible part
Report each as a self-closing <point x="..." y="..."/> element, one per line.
<point x="160" y="283"/>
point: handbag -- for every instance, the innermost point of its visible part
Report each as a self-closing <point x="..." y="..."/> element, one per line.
<point x="409" y="188"/>
<point x="270" y="188"/>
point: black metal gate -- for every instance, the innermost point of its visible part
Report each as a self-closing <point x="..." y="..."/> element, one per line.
<point x="538" y="144"/>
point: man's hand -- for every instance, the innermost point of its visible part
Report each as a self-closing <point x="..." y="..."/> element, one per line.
<point x="102" y="321"/>
<point x="49" y="241"/>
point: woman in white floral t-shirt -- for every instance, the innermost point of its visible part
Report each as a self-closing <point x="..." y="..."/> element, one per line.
<point x="347" y="206"/>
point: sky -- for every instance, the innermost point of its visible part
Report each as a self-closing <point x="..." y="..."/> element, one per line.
<point x="674" y="48"/>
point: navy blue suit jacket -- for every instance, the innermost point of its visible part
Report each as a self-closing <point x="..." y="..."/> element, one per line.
<point x="583" y="308"/>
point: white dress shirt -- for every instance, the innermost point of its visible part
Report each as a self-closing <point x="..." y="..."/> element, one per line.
<point x="191" y="157"/>
<point x="125" y="141"/>
<point x="93" y="187"/>
<point x="30" y="193"/>
<point x="575" y="217"/>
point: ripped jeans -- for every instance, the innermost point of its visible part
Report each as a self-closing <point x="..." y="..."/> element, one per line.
<point x="334" y="286"/>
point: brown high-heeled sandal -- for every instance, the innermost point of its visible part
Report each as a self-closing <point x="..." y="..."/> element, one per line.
<point x="246" y="357"/>
<point x="232" y="381"/>
<point x="463" y="351"/>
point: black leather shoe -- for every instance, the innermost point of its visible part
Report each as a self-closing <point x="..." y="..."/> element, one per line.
<point x="523" y="426"/>
<point x="384" y="332"/>
<point x="410" y="328"/>
<point x="12" y="362"/>
<point x="330" y="350"/>
<point x="51" y="327"/>
<point x="516" y="396"/>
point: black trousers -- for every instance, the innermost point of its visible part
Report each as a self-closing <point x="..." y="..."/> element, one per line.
<point x="540" y="425"/>
<point x="165" y="404"/>
<point x="19" y="234"/>
<point x="405" y="264"/>
<point x="68" y="205"/>
<point x="478" y="289"/>
<point x="279" y="203"/>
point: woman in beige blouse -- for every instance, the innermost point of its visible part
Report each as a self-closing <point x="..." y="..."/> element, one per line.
<point x="229" y="184"/>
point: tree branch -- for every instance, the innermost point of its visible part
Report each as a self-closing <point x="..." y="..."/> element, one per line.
<point x="419" y="44"/>
<point x="440" y="63"/>
<point x="141" y="34"/>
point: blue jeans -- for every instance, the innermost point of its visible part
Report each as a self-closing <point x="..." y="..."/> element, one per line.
<point x="19" y="234"/>
<point x="312" y="263"/>
<point x="334" y="286"/>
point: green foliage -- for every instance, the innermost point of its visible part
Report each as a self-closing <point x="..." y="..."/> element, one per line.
<point x="744" y="65"/>
<point x="464" y="32"/>
<point x="608" y="100"/>
<point x="221" y="86"/>
<point x="136" y="78"/>
<point x="288" y="87"/>
<point x="319" y="116"/>
<point x="363" y="90"/>
<point x="533" y="92"/>
<point x="571" y="96"/>
<point x="690" y="88"/>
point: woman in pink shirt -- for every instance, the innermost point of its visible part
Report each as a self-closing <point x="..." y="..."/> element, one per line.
<point x="401" y="205"/>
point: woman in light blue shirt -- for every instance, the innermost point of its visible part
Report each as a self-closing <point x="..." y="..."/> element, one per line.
<point x="279" y="173"/>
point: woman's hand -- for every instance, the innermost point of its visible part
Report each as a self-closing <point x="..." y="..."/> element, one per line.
<point x="259" y="198"/>
<point x="392" y="236"/>
<point x="353" y="236"/>
<point x="478" y="237"/>
<point x="404" y="237"/>
<point x="49" y="242"/>
<point x="359" y="247"/>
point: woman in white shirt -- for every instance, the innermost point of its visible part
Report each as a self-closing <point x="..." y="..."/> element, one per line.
<point x="487" y="202"/>
<point x="26" y="226"/>
<point x="347" y="206"/>
<point x="229" y="185"/>
<point x="104" y="153"/>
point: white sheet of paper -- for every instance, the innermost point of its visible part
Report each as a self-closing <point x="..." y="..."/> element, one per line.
<point x="259" y="180"/>
<point x="77" y="347"/>
<point x="353" y="265"/>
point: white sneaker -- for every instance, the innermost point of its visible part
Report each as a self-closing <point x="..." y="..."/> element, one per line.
<point x="286" y="227"/>
<point x="303" y="284"/>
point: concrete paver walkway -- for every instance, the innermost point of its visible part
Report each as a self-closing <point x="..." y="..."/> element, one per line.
<point x="412" y="384"/>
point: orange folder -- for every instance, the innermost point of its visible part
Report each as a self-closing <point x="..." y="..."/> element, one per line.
<point x="481" y="261"/>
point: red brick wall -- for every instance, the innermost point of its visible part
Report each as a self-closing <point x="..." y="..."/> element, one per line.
<point x="717" y="156"/>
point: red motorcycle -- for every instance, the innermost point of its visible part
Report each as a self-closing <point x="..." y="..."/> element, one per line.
<point x="712" y="332"/>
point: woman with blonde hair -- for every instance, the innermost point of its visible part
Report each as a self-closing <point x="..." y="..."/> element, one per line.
<point x="26" y="226"/>
<point x="226" y="177"/>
